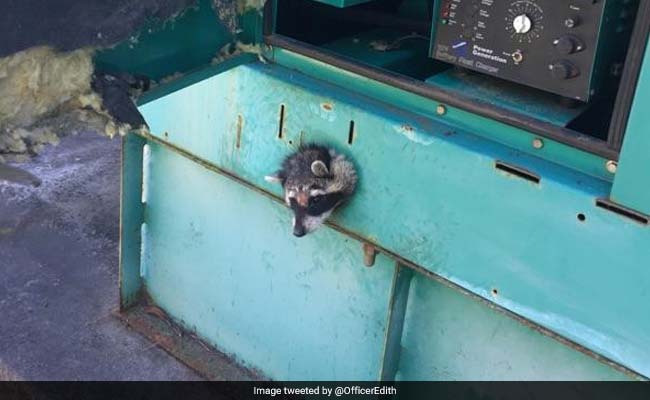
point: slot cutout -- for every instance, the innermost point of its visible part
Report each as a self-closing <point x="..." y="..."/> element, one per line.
<point x="240" y="124"/>
<point x="146" y="160"/>
<point x="351" y="133"/>
<point x="517" y="171"/>
<point x="623" y="211"/>
<point x="281" y="122"/>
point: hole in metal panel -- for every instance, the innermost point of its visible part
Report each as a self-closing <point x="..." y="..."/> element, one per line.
<point x="351" y="133"/>
<point x="517" y="171"/>
<point x="623" y="211"/>
<point x="581" y="217"/>
<point x="146" y="160"/>
<point x="143" y="249"/>
<point x="281" y="122"/>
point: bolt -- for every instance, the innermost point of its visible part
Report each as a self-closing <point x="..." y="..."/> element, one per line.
<point x="441" y="110"/>
<point x="369" y="254"/>
<point x="611" y="166"/>
<point x="538" y="143"/>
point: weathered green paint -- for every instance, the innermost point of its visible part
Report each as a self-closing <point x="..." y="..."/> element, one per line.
<point x="631" y="187"/>
<point x="222" y="261"/>
<point x="184" y="43"/>
<point x="131" y="218"/>
<point x="428" y="192"/>
<point x="510" y="96"/>
<point x="396" y="314"/>
<point x="194" y="77"/>
<point x="367" y="47"/>
<point x="516" y="138"/>
<point x="452" y="337"/>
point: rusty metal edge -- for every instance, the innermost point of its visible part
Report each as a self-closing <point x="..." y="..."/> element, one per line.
<point x="184" y="345"/>
<point x="417" y="268"/>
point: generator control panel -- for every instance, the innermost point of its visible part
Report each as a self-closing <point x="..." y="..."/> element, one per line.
<point x="570" y="48"/>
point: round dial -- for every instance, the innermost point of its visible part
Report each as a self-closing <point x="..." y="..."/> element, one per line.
<point x="524" y="21"/>
<point x="522" y="24"/>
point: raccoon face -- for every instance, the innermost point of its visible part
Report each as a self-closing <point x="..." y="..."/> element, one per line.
<point x="311" y="206"/>
<point x="315" y="180"/>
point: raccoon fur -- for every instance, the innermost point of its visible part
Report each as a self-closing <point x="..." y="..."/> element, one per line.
<point x="316" y="180"/>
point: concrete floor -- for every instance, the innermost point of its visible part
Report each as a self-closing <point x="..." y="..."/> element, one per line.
<point x="59" y="270"/>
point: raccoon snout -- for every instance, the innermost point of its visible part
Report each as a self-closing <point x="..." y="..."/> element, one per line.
<point x="299" y="231"/>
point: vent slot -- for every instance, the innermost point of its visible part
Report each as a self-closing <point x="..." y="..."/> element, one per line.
<point x="517" y="171"/>
<point x="351" y="133"/>
<point x="240" y="123"/>
<point x="281" y="123"/>
<point x="623" y="211"/>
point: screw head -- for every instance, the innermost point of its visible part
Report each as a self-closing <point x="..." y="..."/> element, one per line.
<point x="611" y="166"/>
<point x="441" y="110"/>
<point x="538" y="143"/>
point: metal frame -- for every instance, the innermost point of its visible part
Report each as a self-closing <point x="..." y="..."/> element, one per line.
<point x="404" y="272"/>
<point x="573" y="180"/>
<point x="609" y="150"/>
<point x="238" y="165"/>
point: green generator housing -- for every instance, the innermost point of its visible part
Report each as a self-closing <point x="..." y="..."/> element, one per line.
<point x="497" y="233"/>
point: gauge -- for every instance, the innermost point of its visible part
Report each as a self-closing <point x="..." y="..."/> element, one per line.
<point x="524" y="21"/>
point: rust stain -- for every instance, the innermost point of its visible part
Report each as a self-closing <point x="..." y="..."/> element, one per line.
<point x="327" y="106"/>
<point x="240" y="125"/>
<point x="156" y="312"/>
<point x="369" y="254"/>
<point x="187" y="348"/>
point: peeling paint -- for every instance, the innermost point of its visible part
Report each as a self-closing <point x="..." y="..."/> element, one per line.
<point x="228" y="11"/>
<point x="324" y="111"/>
<point x="414" y="135"/>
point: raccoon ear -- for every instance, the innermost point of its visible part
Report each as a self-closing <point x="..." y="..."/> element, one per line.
<point x="273" y="179"/>
<point x="319" y="169"/>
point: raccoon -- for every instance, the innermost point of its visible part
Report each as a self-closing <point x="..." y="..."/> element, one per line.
<point x="316" y="180"/>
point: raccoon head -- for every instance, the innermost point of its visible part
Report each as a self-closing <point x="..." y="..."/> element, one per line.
<point x="315" y="180"/>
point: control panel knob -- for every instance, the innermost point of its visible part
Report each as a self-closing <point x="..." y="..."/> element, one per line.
<point x="563" y="69"/>
<point x="568" y="44"/>
<point x="522" y="23"/>
<point x="571" y="22"/>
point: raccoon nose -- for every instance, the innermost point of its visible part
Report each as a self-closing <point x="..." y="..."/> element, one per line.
<point x="299" y="231"/>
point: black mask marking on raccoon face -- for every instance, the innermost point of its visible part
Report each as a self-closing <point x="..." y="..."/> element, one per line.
<point x="322" y="203"/>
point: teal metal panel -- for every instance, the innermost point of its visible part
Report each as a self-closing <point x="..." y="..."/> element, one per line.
<point x="131" y="218"/>
<point x="396" y="314"/>
<point x="221" y="260"/>
<point x="160" y="49"/>
<point x="515" y="138"/>
<point x="449" y="336"/>
<point x="429" y="193"/>
<point x="536" y="104"/>
<point x="406" y="58"/>
<point x="631" y="187"/>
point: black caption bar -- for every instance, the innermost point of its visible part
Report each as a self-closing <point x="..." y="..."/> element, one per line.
<point x="323" y="390"/>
